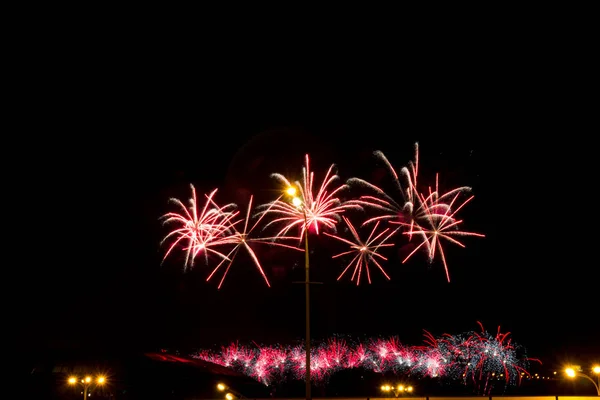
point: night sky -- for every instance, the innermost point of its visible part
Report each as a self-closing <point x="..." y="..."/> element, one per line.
<point x="110" y="155"/>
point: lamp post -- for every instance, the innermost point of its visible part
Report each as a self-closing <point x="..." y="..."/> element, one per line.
<point x="87" y="382"/>
<point x="298" y="203"/>
<point x="572" y="373"/>
<point x="397" y="390"/>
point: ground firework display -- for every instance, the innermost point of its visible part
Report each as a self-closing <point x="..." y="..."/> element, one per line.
<point x="474" y="357"/>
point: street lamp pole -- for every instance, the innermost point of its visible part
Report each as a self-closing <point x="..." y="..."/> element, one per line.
<point x="298" y="202"/>
<point x="591" y="380"/>
<point x="87" y="382"/>
<point x="307" y="296"/>
<point x="596" y="370"/>
<point x="571" y="372"/>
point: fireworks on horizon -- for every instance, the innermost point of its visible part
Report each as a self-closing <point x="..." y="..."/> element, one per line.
<point x="477" y="358"/>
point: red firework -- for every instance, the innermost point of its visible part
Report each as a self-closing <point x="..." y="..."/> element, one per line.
<point x="436" y="222"/>
<point x="366" y="251"/>
<point x="241" y="239"/>
<point x="197" y="229"/>
<point x="431" y="217"/>
<point x="311" y="208"/>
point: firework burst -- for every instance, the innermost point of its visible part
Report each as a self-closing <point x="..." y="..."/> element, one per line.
<point x="438" y="223"/>
<point x="312" y="208"/>
<point x="198" y="229"/>
<point x="241" y="239"/>
<point x="366" y="251"/>
<point x="390" y="208"/>
<point x="430" y="216"/>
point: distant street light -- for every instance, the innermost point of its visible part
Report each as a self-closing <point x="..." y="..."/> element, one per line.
<point x="231" y="393"/>
<point x="397" y="390"/>
<point x="87" y="382"/>
<point x="572" y="373"/>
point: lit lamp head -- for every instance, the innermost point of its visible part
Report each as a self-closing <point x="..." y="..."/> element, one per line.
<point x="297" y="202"/>
<point x="72" y="380"/>
<point x="570" y="372"/>
<point x="221" y="387"/>
<point x="101" y="380"/>
<point x="596" y="369"/>
<point x="229" y="396"/>
<point x="291" y="191"/>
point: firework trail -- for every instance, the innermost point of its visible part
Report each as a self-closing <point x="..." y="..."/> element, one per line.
<point x="314" y="209"/>
<point x="366" y="251"/>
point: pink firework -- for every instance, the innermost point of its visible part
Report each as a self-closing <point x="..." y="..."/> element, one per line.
<point x="357" y="356"/>
<point x="431" y="217"/>
<point x="494" y="355"/>
<point x="474" y="357"/>
<point x="366" y="251"/>
<point x="336" y="351"/>
<point x="315" y="208"/>
<point x="438" y="223"/>
<point x="387" y="205"/>
<point x="197" y="229"/>
<point x="240" y="239"/>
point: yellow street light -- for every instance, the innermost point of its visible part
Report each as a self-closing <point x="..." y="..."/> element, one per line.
<point x="291" y="191"/>
<point x="87" y="382"/>
<point x="572" y="373"/>
<point x="231" y="393"/>
<point x="397" y="390"/>
<point x="596" y="369"/>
